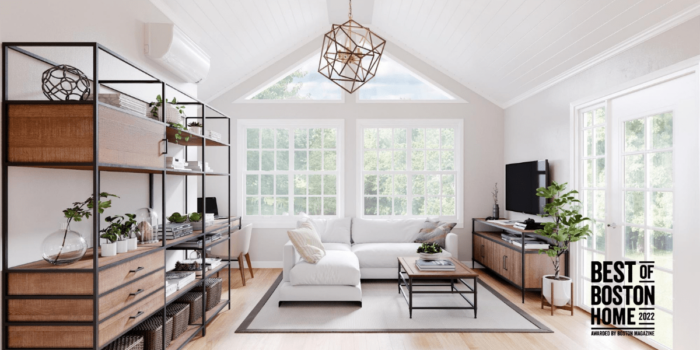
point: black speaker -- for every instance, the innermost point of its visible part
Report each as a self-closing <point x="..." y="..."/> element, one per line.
<point x="212" y="208"/>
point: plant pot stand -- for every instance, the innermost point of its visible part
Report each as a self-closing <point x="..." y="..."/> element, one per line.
<point x="568" y="307"/>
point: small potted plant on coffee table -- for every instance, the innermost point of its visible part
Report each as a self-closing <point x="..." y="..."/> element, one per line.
<point x="430" y="251"/>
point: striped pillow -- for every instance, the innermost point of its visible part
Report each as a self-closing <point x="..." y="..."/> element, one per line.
<point x="307" y="243"/>
<point x="434" y="232"/>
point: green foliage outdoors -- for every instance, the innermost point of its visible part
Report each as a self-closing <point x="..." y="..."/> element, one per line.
<point x="284" y="89"/>
<point x="429" y="248"/>
<point x="567" y="225"/>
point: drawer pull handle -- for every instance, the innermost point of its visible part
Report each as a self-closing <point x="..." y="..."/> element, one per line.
<point x="505" y="260"/>
<point x="136" y="293"/>
<point x="137" y="270"/>
<point x="137" y="315"/>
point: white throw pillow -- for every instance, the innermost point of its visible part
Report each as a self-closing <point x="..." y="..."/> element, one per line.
<point x="335" y="230"/>
<point x="307" y="243"/>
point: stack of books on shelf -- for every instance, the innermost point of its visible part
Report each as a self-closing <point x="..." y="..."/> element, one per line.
<point x="174" y="230"/>
<point x="210" y="263"/>
<point x="179" y="278"/>
<point x="435" y="265"/>
<point x="214" y="135"/>
<point x="176" y="163"/>
<point x="530" y="242"/>
<point x="197" y="166"/>
<point x="126" y="102"/>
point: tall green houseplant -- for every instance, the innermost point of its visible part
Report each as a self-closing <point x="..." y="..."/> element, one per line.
<point x="567" y="225"/>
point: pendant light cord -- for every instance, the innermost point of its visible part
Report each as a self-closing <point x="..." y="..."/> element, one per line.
<point x="350" y="13"/>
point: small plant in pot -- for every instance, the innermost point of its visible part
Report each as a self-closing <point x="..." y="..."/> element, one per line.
<point x="120" y="231"/>
<point x="177" y="218"/>
<point x="430" y="251"/>
<point x="566" y="227"/>
<point x="196" y="220"/>
<point x="195" y="127"/>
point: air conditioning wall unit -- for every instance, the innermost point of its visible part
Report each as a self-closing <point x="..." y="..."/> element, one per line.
<point x="169" y="46"/>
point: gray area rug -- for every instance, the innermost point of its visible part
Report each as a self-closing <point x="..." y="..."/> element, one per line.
<point x="385" y="311"/>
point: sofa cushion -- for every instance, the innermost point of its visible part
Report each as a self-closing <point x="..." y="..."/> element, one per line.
<point x="336" y="268"/>
<point x="337" y="246"/>
<point x="383" y="255"/>
<point x="307" y="243"/>
<point x="335" y="230"/>
<point x="385" y="231"/>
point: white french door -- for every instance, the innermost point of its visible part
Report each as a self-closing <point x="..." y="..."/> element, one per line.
<point x="637" y="167"/>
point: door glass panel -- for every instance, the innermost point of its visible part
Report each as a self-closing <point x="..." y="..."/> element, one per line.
<point x="634" y="243"/>
<point x="599" y="204"/>
<point x="600" y="141"/>
<point x="634" y="207"/>
<point x="661" y="169"/>
<point x="589" y="173"/>
<point x="661" y="131"/>
<point x="662" y="209"/>
<point x="634" y="135"/>
<point x="600" y="172"/>
<point x="599" y="116"/>
<point x="662" y="248"/>
<point x="600" y="236"/>
<point x="634" y="171"/>
<point x="588" y="135"/>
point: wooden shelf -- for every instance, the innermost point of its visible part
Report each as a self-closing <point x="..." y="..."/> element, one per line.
<point x="194" y="139"/>
<point x="172" y="297"/>
<point x="115" y="168"/>
<point x="86" y="262"/>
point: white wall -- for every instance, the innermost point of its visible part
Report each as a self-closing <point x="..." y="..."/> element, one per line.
<point x="483" y="140"/>
<point x="538" y="127"/>
<point x="38" y="196"/>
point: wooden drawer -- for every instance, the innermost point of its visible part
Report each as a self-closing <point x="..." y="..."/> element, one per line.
<point x="46" y="310"/>
<point x="49" y="337"/>
<point x="40" y="283"/>
<point x="122" y="297"/>
<point x="112" y="327"/>
<point x="131" y="270"/>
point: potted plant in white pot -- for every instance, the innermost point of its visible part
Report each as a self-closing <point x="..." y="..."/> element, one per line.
<point x="109" y="249"/>
<point x="120" y="228"/>
<point x="195" y="127"/>
<point x="566" y="227"/>
<point x="196" y="221"/>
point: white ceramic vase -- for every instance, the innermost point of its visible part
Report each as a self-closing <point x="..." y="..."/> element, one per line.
<point x="132" y="243"/>
<point x="122" y="247"/>
<point x="109" y="249"/>
<point x="195" y="129"/>
<point x="561" y="287"/>
<point x="426" y="256"/>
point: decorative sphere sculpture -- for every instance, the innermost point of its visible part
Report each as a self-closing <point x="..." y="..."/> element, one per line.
<point x="65" y="83"/>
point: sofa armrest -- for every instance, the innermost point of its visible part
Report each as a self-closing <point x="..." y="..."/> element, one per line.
<point x="452" y="244"/>
<point x="288" y="259"/>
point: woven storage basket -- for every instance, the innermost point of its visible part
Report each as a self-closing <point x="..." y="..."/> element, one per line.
<point x="213" y="291"/>
<point x="151" y="331"/>
<point x="127" y="342"/>
<point x="194" y="300"/>
<point x="181" y="318"/>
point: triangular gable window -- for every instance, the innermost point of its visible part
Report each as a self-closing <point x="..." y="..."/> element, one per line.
<point x="302" y="83"/>
<point x="396" y="82"/>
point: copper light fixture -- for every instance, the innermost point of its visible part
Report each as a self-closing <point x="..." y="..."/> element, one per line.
<point x="350" y="53"/>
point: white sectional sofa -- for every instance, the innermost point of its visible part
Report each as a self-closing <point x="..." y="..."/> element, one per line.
<point x="355" y="249"/>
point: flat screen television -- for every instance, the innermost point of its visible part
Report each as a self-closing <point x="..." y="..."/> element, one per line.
<point x="522" y="181"/>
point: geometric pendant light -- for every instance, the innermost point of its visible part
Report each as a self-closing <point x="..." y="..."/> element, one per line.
<point x="350" y="53"/>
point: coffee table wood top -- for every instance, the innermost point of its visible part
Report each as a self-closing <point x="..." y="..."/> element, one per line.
<point x="461" y="270"/>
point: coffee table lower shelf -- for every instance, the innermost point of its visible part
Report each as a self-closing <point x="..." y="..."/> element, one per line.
<point x="405" y="280"/>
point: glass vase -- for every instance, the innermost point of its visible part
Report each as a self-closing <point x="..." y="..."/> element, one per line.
<point x="146" y="225"/>
<point x="63" y="247"/>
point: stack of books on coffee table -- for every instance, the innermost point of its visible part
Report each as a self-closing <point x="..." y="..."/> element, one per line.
<point x="435" y="265"/>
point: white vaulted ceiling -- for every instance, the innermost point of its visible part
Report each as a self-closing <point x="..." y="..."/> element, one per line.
<point x="504" y="50"/>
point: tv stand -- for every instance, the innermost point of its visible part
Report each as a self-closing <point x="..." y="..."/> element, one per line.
<point x="522" y="268"/>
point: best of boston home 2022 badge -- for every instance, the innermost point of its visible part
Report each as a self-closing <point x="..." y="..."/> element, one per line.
<point x="618" y="300"/>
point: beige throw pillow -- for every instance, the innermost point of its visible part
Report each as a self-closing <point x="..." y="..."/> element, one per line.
<point x="434" y="232"/>
<point x="307" y="243"/>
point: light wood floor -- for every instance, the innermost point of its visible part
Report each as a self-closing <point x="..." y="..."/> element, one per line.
<point x="569" y="332"/>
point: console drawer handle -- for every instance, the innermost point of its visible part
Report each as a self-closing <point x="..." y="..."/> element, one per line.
<point x="137" y="315"/>
<point x="137" y="292"/>
<point x="137" y="270"/>
<point x="505" y="260"/>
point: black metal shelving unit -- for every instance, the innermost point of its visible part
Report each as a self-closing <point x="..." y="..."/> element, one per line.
<point x="96" y="168"/>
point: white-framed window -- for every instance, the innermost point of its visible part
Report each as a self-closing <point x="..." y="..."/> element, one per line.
<point x="410" y="168"/>
<point x="288" y="167"/>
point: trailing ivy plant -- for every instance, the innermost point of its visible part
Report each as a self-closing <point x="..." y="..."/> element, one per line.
<point x="82" y="210"/>
<point x="155" y="106"/>
<point x="567" y="225"/>
<point x="179" y="128"/>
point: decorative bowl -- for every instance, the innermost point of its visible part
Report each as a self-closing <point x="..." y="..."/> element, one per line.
<point x="433" y="256"/>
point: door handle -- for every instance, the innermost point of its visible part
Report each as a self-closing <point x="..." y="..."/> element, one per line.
<point x="612" y="225"/>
